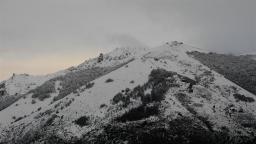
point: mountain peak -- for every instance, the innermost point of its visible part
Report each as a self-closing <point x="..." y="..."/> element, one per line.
<point x="174" y="43"/>
<point x="153" y="90"/>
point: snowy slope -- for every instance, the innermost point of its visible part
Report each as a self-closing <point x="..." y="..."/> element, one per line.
<point x="211" y="98"/>
<point x="19" y="84"/>
<point x="22" y="83"/>
<point x="115" y="57"/>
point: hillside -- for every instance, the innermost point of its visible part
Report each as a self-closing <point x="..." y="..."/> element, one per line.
<point x="239" y="69"/>
<point x="19" y="84"/>
<point x="130" y="96"/>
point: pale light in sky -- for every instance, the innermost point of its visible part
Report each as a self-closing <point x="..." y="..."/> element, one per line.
<point x="44" y="36"/>
<point x="42" y="64"/>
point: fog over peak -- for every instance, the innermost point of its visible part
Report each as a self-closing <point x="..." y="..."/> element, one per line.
<point x="58" y="33"/>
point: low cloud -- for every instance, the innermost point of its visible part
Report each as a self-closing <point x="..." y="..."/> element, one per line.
<point x="30" y="28"/>
<point x="125" y="40"/>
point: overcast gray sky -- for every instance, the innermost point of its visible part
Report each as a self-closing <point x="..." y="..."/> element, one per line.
<point x="42" y="36"/>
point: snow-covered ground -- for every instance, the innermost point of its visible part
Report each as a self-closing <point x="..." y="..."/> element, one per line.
<point x="20" y="84"/>
<point x="89" y="101"/>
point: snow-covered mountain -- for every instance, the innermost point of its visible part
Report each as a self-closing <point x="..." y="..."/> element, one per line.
<point x="19" y="84"/>
<point x="130" y="95"/>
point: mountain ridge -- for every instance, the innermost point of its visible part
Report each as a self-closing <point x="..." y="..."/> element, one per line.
<point x="172" y="88"/>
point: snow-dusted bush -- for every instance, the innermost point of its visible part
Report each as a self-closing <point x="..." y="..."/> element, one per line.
<point x="41" y="114"/>
<point x="139" y="113"/>
<point x="39" y="109"/>
<point x="243" y="98"/>
<point x="89" y="85"/>
<point x="18" y="119"/>
<point x="103" y="105"/>
<point x="202" y="92"/>
<point x="118" y="97"/>
<point x="205" y="79"/>
<point x="33" y="101"/>
<point x="50" y="120"/>
<point x="183" y="98"/>
<point x="82" y="121"/>
<point x="67" y="104"/>
<point x="109" y="80"/>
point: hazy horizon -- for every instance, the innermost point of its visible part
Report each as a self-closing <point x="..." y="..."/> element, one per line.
<point x="40" y="37"/>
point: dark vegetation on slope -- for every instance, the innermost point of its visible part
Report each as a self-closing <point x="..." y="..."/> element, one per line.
<point x="239" y="69"/>
<point x="247" y="120"/>
<point x="71" y="82"/>
<point x="89" y="85"/>
<point x="240" y="97"/>
<point x="7" y="101"/>
<point x="109" y="80"/>
<point x="44" y="91"/>
<point x="194" y="130"/>
<point x="82" y="121"/>
<point x="75" y="80"/>
<point x="2" y="89"/>
<point x="133" y="128"/>
<point x="186" y="101"/>
<point x="160" y="81"/>
<point x="139" y="113"/>
<point x="183" y="130"/>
